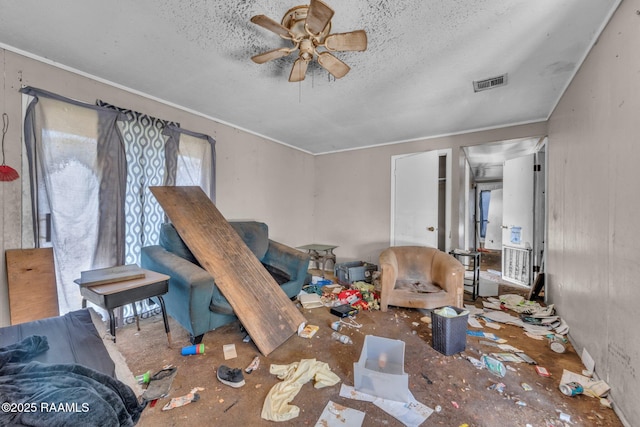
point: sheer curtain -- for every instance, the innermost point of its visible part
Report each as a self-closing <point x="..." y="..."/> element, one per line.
<point x="77" y="181"/>
<point x="195" y="157"/>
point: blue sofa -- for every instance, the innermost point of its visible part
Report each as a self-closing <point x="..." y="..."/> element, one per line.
<point x="193" y="299"/>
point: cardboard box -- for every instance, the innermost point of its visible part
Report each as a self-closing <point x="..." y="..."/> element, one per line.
<point x="380" y="369"/>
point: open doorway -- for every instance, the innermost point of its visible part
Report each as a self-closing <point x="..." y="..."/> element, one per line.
<point x="508" y="225"/>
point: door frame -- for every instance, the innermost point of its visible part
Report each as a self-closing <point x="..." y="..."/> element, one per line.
<point x="446" y="210"/>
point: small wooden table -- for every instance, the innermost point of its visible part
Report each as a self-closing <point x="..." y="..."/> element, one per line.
<point x="113" y="295"/>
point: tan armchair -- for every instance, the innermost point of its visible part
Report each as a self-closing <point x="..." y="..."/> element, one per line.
<point x="420" y="277"/>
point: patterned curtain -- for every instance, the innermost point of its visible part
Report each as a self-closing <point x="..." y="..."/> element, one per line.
<point x="144" y="144"/>
<point x="158" y="153"/>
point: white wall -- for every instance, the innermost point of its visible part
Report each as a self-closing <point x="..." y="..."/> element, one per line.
<point x="594" y="206"/>
<point x="256" y="178"/>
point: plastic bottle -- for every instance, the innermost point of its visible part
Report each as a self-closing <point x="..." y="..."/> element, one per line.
<point x="342" y="338"/>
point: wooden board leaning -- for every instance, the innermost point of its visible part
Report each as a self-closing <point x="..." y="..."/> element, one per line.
<point x="263" y="308"/>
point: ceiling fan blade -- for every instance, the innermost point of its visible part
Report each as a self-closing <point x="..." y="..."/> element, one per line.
<point x="333" y="65"/>
<point x="299" y="70"/>
<point x="318" y="16"/>
<point x="271" y="25"/>
<point x="271" y="55"/>
<point x="342" y="42"/>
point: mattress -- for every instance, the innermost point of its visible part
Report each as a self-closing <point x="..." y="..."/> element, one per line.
<point x="72" y="338"/>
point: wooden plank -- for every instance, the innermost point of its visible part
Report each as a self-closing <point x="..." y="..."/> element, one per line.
<point x="261" y="305"/>
<point x="31" y="278"/>
<point x="115" y="274"/>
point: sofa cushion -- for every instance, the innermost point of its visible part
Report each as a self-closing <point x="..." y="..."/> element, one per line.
<point x="254" y="234"/>
<point x="172" y="242"/>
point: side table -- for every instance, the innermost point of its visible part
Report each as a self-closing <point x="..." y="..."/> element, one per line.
<point x="320" y="254"/>
<point x="470" y="260"/>
<point x="112" y="295"/>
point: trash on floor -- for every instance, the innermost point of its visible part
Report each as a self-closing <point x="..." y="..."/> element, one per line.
<point x="571" y="388"/>
<point x="160" y="383"/>
<point x="344" y="339"/>
<point x="255" y="363"/>
<point x="192" y="349"/>
<point x="507" y="357"/>
<point x="176" y="402"/>
<point x="543" y="372"/>
<point x="494" y="366"/>
<point x="499" y="387"/>
<point x="411" y="413"/>
<point x="229" y="351"/>
<point x="307" y="331"/>
<point x="143" y="378"/>
<point x="310" y="301"/>
<point x="591" y="387"/>
<point x="336" y="415"/>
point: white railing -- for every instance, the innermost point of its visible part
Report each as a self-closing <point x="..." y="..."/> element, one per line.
<point x="516" y="265"/>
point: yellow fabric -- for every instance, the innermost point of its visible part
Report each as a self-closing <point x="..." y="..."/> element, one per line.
<point x="276" y="405"/>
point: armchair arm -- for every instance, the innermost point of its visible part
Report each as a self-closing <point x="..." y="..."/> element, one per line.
<point x="448" y="273"/>
<point x="190" y="287"/>
<point x="389" y="267"/>
<point x="291" y="261"/>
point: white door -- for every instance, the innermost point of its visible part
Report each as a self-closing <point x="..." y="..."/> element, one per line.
<point x="518" y="202"/>
<point x="517" y="219"/>
<point x="414" y="214"/>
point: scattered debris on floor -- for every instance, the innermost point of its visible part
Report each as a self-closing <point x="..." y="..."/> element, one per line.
<point x="336" y="415"/>
<point x="379" y="377"/>
<point x="160" y="383"/>
<point x="359" y="295"/>
<point x="192" y="349"/>
<point x="177" y="402"/>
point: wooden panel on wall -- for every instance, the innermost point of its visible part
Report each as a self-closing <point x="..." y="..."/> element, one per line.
<point x="31" y="278"/>
<point x="261" y="305"/>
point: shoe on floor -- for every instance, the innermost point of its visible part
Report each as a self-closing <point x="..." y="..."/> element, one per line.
<point x="230" y="376"/>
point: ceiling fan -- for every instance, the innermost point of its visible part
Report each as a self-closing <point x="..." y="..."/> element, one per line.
<point x="308" y="27"/>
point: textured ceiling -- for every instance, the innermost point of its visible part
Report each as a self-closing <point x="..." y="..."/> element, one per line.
<point x="414" y="80"/>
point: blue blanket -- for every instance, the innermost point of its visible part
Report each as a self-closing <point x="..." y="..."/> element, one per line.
<point x="39" y="394"/>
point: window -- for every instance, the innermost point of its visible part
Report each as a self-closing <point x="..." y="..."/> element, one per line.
<point x="90" y="171"/>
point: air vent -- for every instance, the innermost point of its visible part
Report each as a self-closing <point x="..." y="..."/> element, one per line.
<point x="491" y="83"/>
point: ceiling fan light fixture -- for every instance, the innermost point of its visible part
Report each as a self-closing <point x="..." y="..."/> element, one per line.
<point x="309" y="28"/>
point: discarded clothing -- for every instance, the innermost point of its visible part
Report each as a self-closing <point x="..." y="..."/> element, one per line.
<point x="276" y="405"/>
<point x="61" y="394"/>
